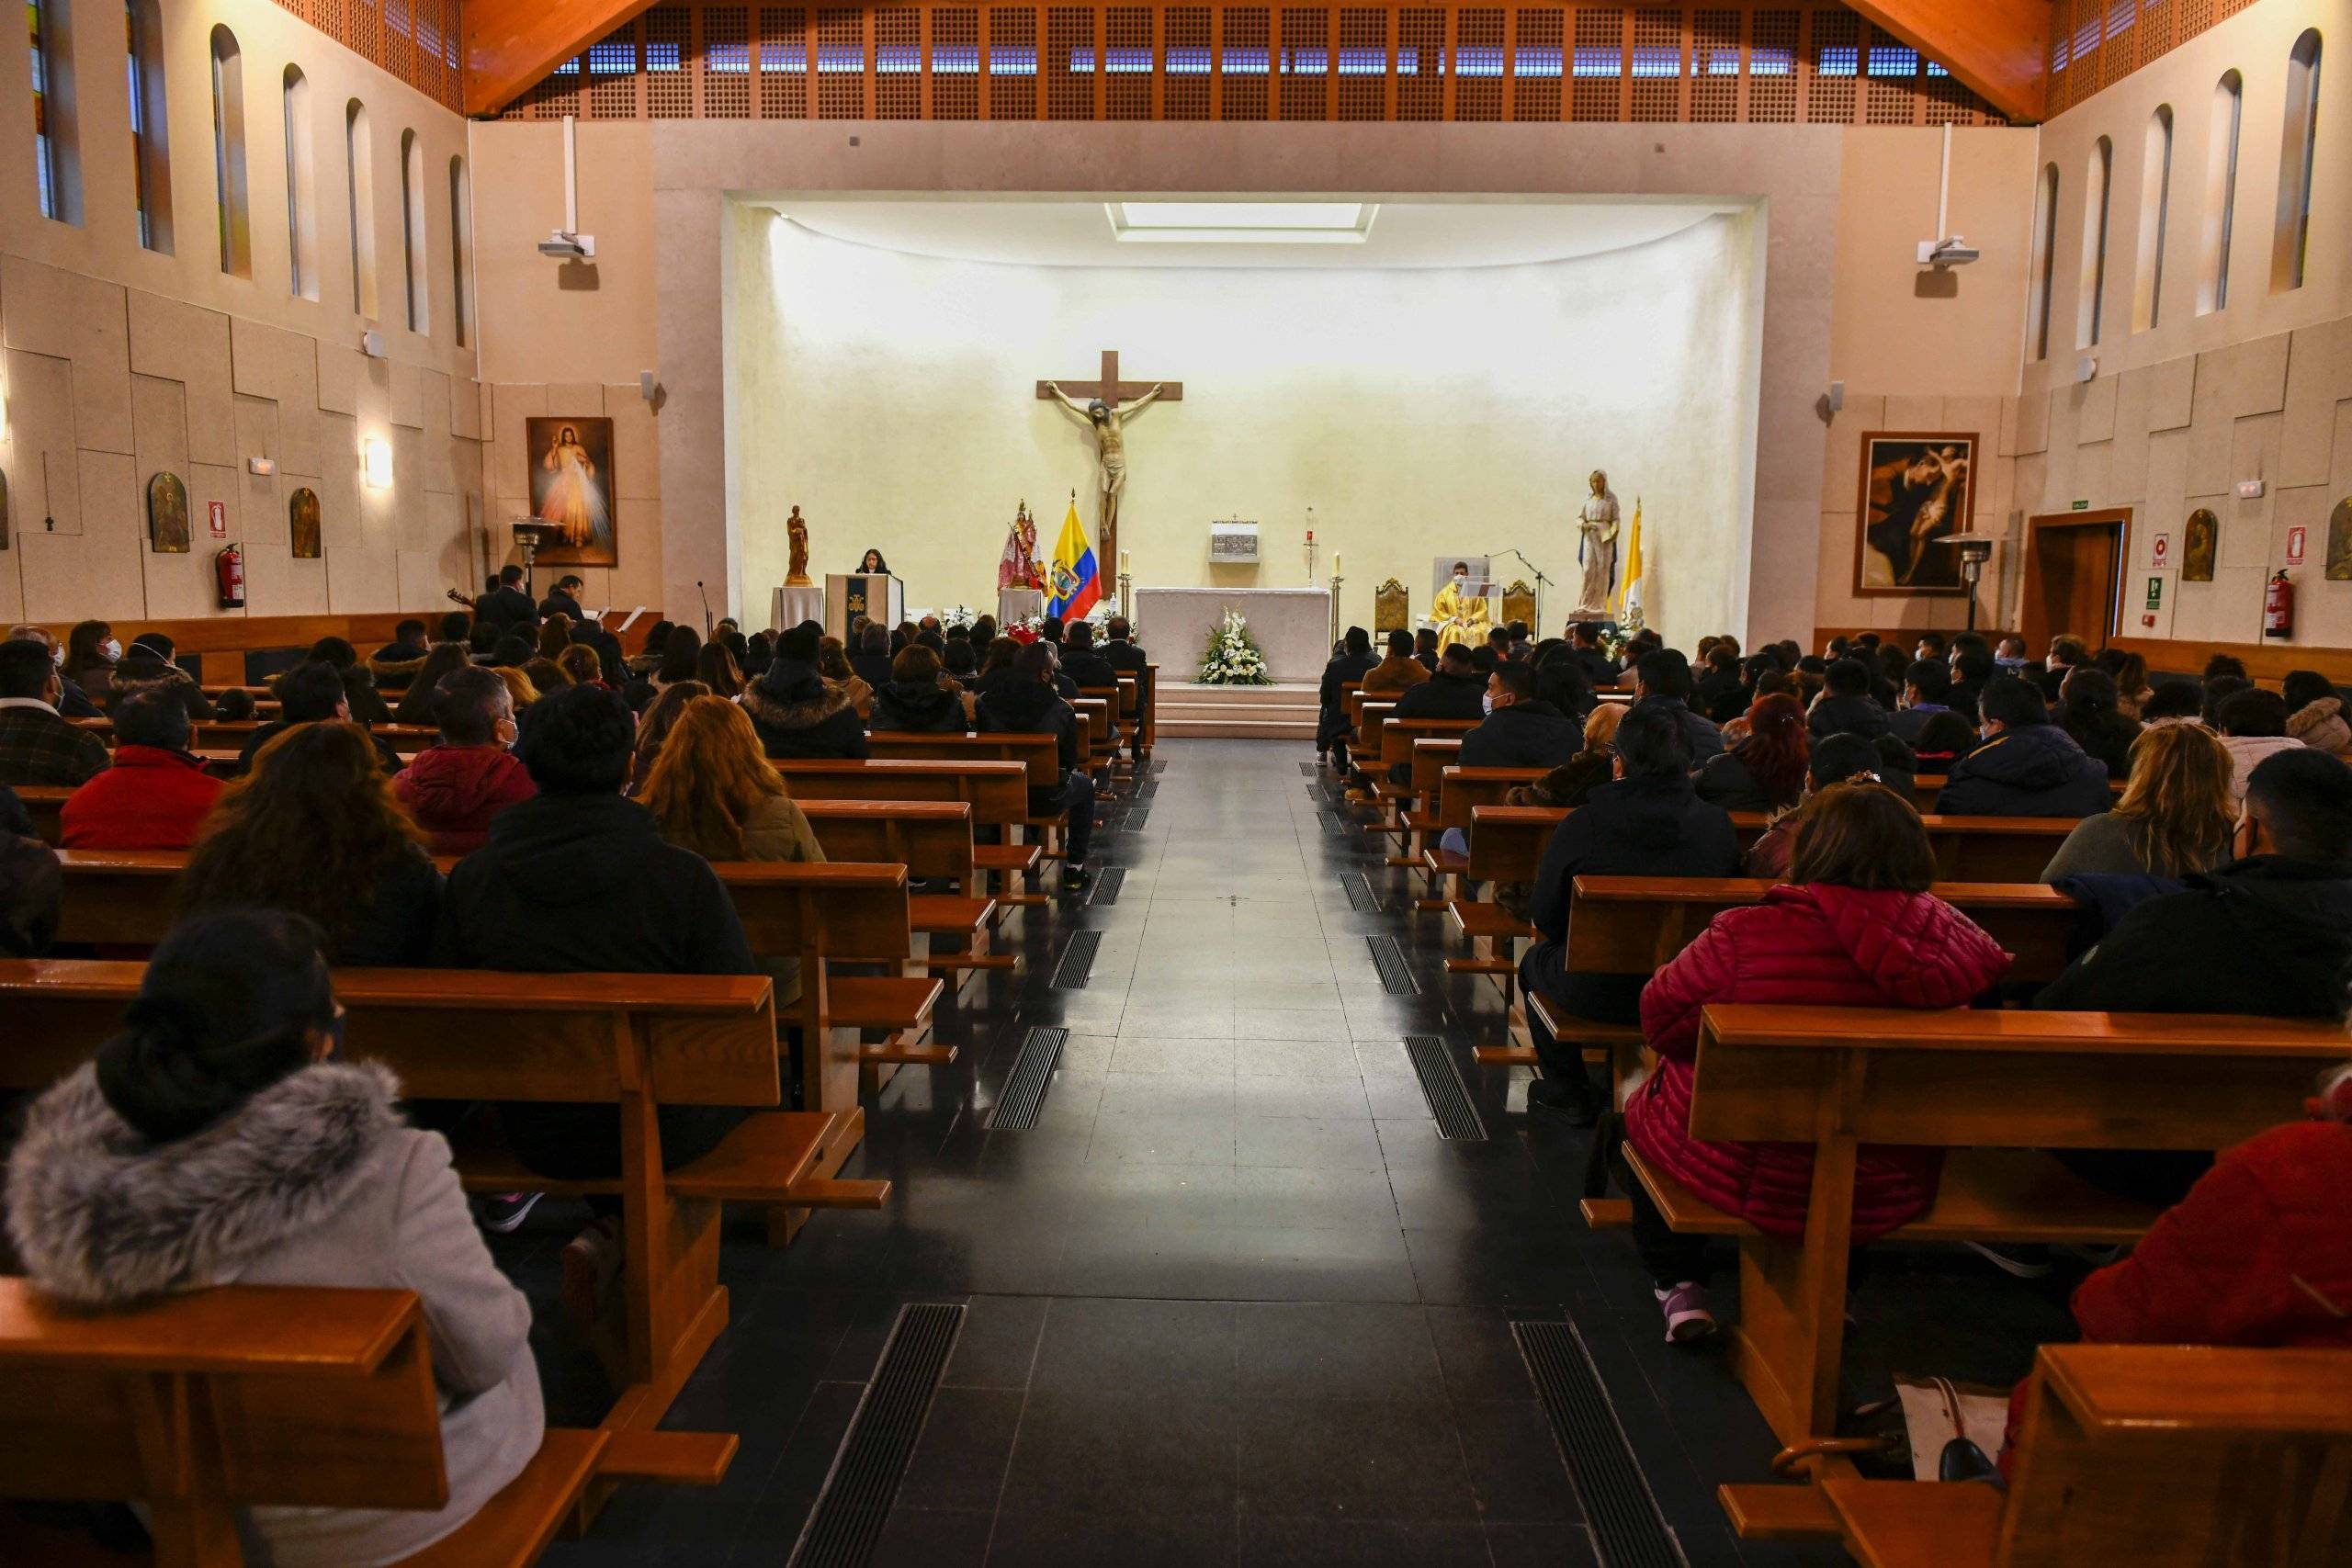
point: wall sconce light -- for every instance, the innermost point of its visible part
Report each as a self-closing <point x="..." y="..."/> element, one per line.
<point x="376" y="463"/>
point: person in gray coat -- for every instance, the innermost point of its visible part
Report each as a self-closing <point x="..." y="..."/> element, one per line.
<point x="216" y="1140"/>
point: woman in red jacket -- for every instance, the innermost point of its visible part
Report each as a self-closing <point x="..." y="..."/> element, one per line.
<point x="1858" y="929"/>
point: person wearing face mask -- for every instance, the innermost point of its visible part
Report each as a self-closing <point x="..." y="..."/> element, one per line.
<point x="38" y="746"/>
<point x="2025" y="765"/>
<point x="453" y="787"/>
<point x="72" y="702"/>
<point x="217" y="1139"/>
<point x="1460" y="618"/>
<point x="91" y="652"/>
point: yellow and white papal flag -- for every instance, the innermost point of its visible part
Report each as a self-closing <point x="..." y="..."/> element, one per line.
<point x="1630" y="596"/>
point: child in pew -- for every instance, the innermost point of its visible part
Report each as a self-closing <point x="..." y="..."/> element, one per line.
<point x="315" y="829"/>
<point x="713" y="792"/>
<point x="1855" y="928"/>
<point x="216" y="1140"/>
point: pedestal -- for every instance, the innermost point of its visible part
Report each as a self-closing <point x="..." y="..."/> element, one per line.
<point x="1014" y="604"/>
<point x="1293" y="626"/>
<point x="794" y="605"/>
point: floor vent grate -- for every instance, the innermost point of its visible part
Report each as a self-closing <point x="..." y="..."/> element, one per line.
<point x="1150" y="787"/>
<point x="1160" y="764"/>
<point x="1360" y="897"/>
<point x="1307" y="768"/>
<point x="1138" y="818"/>
<point x="1024" y="1087"/>
<point x="846" y="1524"/>
<point x="1107" y="885"/>
<point x="1336" y="825"/>
<point x="1627" y="1528"/>
<point x="1442" y="1086"/>
<point x="1078" y="961"/>
<point x="1396" y="974"/>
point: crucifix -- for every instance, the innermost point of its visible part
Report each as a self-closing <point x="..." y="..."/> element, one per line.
<point x="1108" y="403"/>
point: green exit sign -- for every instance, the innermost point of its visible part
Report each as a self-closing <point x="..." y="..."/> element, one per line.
<point x="2081" y="506"/>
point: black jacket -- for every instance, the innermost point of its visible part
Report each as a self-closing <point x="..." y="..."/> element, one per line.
<point x="1706" y="741"/>
<point x="1720" y="697"/>
<point x="396" y="929"/>
<point x="1654" y="826"/>
<point x="558" y="602"/>
<point x="799" y="716"/>
<point x="138" y="670"/>
<point x="1848" y="715"/>
<point x="1907" y="723"/>
<point x="264" y="734"/>
<point x="1124" y="656"/>
<point x="1090" y="670"/>
<point x="74" y="703"/>
<point x="1444" y="696"/>
<point x="1532" y="734"/>
<point x="1601" y="670"/>
<point x="505" y="606"/>
<point x="917" y="707"/>
<point x="1031" y="707"/>
<point x="2108" y="739"/>
<point x="2268" y="936"/>
<point x="586" y="884"/>
<point x="1726" y="781"/>
<point x="874" y="668"/>
<point x="1332" y="722"/>
<point x="2034" y="770"/>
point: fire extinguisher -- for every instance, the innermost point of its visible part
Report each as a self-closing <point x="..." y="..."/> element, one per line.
<point x="2279" y="607"/>
<point x="229" y="567"/>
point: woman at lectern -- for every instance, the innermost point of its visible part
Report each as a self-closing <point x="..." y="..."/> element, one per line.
<point x="872" y="563"/>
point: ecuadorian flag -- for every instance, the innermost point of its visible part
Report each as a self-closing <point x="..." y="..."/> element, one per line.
<point x="1076" y="586"/>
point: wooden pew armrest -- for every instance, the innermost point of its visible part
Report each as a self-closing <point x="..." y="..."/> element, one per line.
<point x="514" y="1527"/>
<point x="1897" y="1524"/>
<point x="676" y="1459"/>
<point x="881" y="1001"/>
<point x="1778" y="1512"/>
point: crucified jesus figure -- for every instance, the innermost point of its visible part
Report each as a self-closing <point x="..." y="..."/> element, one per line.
<point x="1111" y="444"/>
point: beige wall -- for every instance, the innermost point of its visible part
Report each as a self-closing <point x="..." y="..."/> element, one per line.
<point x="122" y="362"/>
<point x="2180" y="413"/>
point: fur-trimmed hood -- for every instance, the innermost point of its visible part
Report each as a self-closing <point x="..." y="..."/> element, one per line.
<point x="393" y="672"/>
<point x="101" y="1216"/>
<point x="800" y="712"/>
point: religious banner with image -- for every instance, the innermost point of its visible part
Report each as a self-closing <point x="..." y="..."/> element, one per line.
<point x="167" y="515"/>
<point x="302" y="524"/>
<point x="1915" y="489"/>
<point x="2339" y="542"/>
<point x="571" y="463"/>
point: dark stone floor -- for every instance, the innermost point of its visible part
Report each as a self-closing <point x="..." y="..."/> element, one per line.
<point x="1232" y="1300"/>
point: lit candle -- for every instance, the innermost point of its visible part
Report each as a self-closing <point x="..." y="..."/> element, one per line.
<point x="1123" y="563"/>
<point x="1335" y="565"/>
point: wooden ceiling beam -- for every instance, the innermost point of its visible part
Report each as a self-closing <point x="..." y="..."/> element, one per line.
<point x="1999" y="48"/>
<point x="511" y="45"/>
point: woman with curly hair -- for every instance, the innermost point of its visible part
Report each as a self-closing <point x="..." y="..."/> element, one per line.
<point x="1766" y="770"/>
<point x="316" y="829"/>
<point x="712" y="791"/>
<point x="653" y="727"/>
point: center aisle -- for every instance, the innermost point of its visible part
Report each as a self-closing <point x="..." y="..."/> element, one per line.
<point x="1232" y="1298"/>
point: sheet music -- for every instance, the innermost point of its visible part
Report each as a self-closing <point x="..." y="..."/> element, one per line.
<point x="632" y="619"/>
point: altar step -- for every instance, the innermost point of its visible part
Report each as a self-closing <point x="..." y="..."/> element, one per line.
<point x="1247" y="713"/>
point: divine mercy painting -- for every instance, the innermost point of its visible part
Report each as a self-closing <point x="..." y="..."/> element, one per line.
<point x="1913" y="490"/>
<point x="571" y="486"/>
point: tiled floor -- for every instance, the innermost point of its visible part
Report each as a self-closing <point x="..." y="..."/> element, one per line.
<point x="1232" y="1300"/>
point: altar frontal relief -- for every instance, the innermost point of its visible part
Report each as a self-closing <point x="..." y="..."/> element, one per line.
<point x="1916" y="488"/>
<point x="571" y="486"/>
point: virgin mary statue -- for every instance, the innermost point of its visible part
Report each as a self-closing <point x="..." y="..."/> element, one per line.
<point x="574" y="499"/>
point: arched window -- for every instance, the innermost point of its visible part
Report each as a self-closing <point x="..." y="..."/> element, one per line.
<point x="301" y="188"/>
<point x="461" y="252"/>
<point x="2296" y="147"/>
<point x="2098" y="189"/>
<point x="420" y="312"/>
<point x="56" y="169"/>
<point x="151" y="162"/>
<point x="228" y="154"/>
<point x="2042" y="265"/>
<point x="358" y="163"/>
<point x="2221" y="193"/>
<point x="2155" y="213"/>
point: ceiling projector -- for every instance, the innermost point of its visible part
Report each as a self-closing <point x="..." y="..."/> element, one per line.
<point x="569" y="247"/>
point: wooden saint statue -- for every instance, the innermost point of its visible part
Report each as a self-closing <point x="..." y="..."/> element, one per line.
<point x="795" y="573"/>
<point x="1111" y="449"/>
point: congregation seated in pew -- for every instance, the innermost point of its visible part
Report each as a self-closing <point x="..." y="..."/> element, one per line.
<point x="1835" y="758"/>
<point x="32" y="883"/>
<point x="2175" y="817"/>
<point x="155" y="795"/>
<point x="2027" y="766"/>
<point x="796" y="713"/>
<point x="1855" y="926"/>
<point x="311" y="694"/>
<point x="37" y="744"/>
<point x="456" y="787"/>
<point x="217" y="1138"/>
<point x="1765" y="769"/>
<point x="316" y="828"/>
<point x="1027" y="703"/>
<point x="919" y="698"/>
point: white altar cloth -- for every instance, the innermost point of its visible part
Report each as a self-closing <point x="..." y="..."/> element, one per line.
<point x="1293" y="626"/>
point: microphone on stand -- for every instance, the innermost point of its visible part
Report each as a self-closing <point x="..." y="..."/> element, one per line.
<point x="706" y="609"/>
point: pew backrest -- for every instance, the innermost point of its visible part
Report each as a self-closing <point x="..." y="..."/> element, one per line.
<point x="997" y="791"/>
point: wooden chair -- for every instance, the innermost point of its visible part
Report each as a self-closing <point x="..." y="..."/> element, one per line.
<point x="637" y="1042"/>
<point x="2163" y="1456"/>
<point x="202" y="1405"/>
<point x="2001" y="1086"/>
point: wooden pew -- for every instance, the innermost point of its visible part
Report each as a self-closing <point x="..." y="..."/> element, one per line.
<point x="1925" y="787"/>
<point x="1040" y="754"/>
<point x="1507" y="842"/>
<point x="45" y="804"/>
<point x="932" y="838"/>
<point x="1994" y="1087"/>
<point x="2163" y="1456"/>
<point x="202" y="1405"/>
<point x="1149" y="698"/>
<point x="231" y="734"/>
<point x="634" y="1041"/>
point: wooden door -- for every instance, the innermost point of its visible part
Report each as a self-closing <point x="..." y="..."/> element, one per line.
<point x="2073" y="577"/>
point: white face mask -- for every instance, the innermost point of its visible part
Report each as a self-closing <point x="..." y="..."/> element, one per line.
<point x="1486" y="704"/>
<point x="111" y="648"/>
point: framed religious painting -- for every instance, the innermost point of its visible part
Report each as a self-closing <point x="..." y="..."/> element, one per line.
<point x="571" y="462"/>
<point x="2339" y="539"/>
<point x="1917" y="487"/>
<point x="2200" y="546"/>
<point x="302" y="524"/>
<point x="167" y="515"/>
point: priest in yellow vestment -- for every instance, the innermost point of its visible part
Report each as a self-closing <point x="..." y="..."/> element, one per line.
<point x="1459" y="617"/>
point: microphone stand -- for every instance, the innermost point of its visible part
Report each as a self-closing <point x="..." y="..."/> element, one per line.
<point x="706" y="609"/>
<point x="1541" y="581"/>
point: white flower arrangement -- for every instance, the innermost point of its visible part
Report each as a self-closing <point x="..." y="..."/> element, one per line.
<point x="1233" y="657"/>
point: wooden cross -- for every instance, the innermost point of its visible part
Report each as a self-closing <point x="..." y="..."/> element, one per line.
<point x="1110" y="389"/>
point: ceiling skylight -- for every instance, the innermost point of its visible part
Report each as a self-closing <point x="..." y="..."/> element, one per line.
<point x="1242" y="222"/>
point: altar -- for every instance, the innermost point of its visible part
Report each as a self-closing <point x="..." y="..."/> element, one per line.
<point x="1293" y="626"/>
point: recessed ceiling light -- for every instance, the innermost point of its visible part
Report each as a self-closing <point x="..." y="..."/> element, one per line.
<point x="1242" y="222"/>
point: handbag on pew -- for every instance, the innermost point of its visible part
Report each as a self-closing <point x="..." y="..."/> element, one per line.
<point x="1954" y="1428"/>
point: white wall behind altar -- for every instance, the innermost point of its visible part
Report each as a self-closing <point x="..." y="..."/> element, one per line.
<point x="1420" y="411"/>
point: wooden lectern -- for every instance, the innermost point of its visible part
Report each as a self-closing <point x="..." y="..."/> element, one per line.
<point x="876" y="596"/>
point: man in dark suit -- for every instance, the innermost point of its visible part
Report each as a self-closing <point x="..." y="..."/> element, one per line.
<point x="506" y="605"/>
<point x="564" y="599"/>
